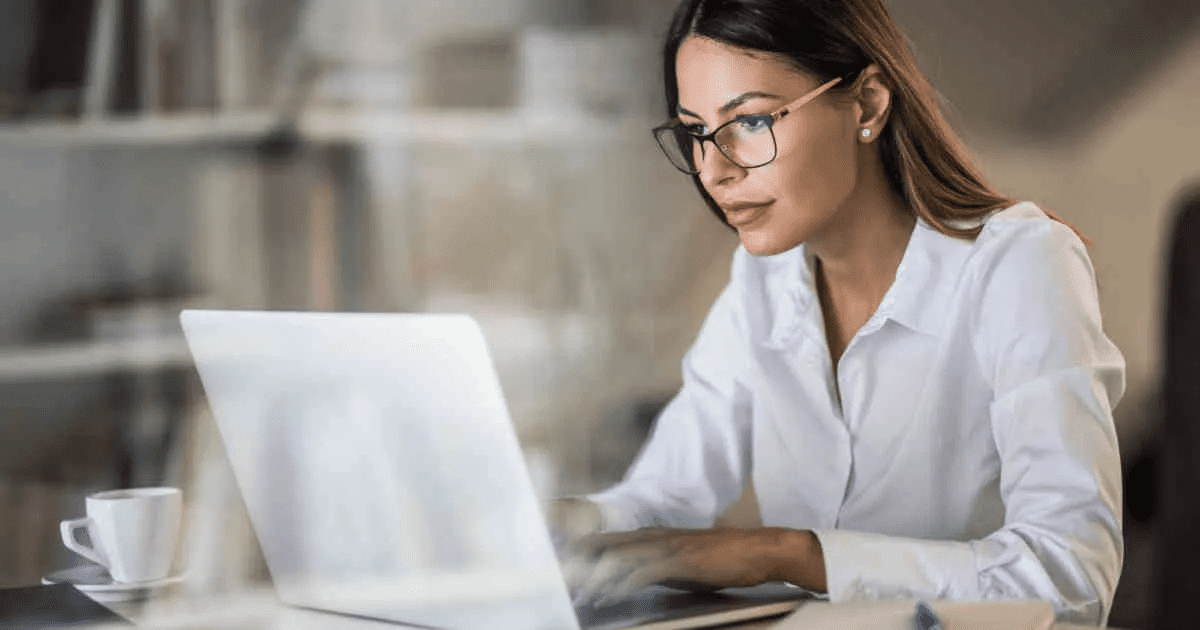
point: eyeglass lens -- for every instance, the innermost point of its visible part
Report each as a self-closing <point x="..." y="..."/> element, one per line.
<point x="748" y="142"/>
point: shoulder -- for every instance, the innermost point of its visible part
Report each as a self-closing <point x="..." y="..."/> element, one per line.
<point x="1019" y="254"/>
<point x="1023" y="239"/>
<point x="1035" y="287"/>
<point x="1022" y="256"/>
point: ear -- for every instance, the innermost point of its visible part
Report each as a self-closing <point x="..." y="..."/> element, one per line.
<point x="873" y="97"/>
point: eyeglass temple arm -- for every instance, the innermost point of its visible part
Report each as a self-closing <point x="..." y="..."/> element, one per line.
<point x="784" y="111"/>
<point x="800" y="102"/>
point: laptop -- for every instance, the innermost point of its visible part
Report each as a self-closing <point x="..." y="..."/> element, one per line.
<point x="384" y="479"/>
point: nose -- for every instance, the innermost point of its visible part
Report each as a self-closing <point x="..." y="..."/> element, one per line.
<point x="716" y="169"/>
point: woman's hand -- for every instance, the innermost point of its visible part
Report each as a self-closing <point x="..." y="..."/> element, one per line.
<point x="608" y="567"/>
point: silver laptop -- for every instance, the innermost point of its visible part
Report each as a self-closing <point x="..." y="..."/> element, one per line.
<point x="384" y="479"/>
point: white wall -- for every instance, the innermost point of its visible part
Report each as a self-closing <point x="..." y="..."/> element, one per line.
<point x="1119" y="185"/>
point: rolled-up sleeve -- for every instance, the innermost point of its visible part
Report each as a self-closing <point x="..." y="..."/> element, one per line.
<point x="695" y="462"/>
<point x="1056" y="378"/>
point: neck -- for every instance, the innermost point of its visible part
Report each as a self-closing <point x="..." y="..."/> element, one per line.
<point x="861" y="248"/>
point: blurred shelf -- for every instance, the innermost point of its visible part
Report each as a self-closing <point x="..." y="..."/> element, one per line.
<point x="435" y="126"/>
<point x="156" y="130"/>
<point x="92" y="358"/>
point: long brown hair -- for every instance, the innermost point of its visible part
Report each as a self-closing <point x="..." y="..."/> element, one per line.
<point x="925" y="163"/>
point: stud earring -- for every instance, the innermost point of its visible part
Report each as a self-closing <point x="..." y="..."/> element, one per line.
<point x="866" y="133"/>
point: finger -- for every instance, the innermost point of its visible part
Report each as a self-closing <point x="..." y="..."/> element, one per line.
<point x="608" y="570"/>
<point x="613" y="566"/>
<point x="579" y="568"/>
<point x="636" y="580"/>
<point x="579" y="563"/>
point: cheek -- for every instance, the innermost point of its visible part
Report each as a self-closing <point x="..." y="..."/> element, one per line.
<point x="819" y="173"/>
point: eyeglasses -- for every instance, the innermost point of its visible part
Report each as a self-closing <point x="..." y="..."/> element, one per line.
<point x="747" y="141"/>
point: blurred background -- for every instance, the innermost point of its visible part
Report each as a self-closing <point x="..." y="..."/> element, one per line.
<point x="481" y="156"/>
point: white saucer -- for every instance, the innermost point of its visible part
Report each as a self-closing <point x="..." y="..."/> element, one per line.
<point x="95" y="581"/>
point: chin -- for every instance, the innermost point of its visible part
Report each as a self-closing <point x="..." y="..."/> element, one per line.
<point x="765" y="243"/>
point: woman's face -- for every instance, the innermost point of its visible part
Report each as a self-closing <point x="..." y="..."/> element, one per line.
<point x="777" y="206"/>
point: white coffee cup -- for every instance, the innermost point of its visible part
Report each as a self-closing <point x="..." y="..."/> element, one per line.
<point x="133" y="532"/>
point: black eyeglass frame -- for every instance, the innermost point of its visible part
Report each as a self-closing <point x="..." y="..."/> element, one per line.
<point x="769" y="119"/>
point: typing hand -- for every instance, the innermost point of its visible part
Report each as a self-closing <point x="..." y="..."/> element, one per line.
<point x="609" y="567"/>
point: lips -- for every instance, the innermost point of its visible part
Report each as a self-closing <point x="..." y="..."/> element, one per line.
<point x="741" y="214"/>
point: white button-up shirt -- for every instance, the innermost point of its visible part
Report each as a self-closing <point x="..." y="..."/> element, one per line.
<point x="965" y="449"/>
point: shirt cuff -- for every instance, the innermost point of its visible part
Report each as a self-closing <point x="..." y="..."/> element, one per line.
<point x="860" y="565"/>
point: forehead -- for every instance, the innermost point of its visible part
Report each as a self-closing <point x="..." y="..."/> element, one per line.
<point x="711" y="73"/>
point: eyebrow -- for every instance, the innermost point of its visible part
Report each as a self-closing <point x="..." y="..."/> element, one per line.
<point x="736" y="102"/>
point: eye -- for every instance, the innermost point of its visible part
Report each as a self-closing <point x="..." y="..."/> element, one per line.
<point x="758" y="123"/>
<point x="695" y="129"/>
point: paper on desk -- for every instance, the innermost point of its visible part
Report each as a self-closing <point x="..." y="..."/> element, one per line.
<point x="896" y="614"/>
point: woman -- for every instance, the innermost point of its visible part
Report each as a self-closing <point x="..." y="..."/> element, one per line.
<point x="909" y="367"/>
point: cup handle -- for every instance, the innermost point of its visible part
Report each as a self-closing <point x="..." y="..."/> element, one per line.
<point x="68" y="537"/>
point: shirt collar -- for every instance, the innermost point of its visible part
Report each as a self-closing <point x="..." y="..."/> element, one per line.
<point x="918" y="298"/>
<point x="919" y="294"/>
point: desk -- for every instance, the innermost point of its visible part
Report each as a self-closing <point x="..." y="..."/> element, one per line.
<point x="260" y="610"/>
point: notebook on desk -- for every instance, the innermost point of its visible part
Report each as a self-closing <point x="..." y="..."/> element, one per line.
<point x="384" y="479"/>
<point x="898" y="614"/>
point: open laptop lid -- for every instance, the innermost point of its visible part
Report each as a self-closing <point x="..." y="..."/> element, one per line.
<point x="379" y="466"/>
